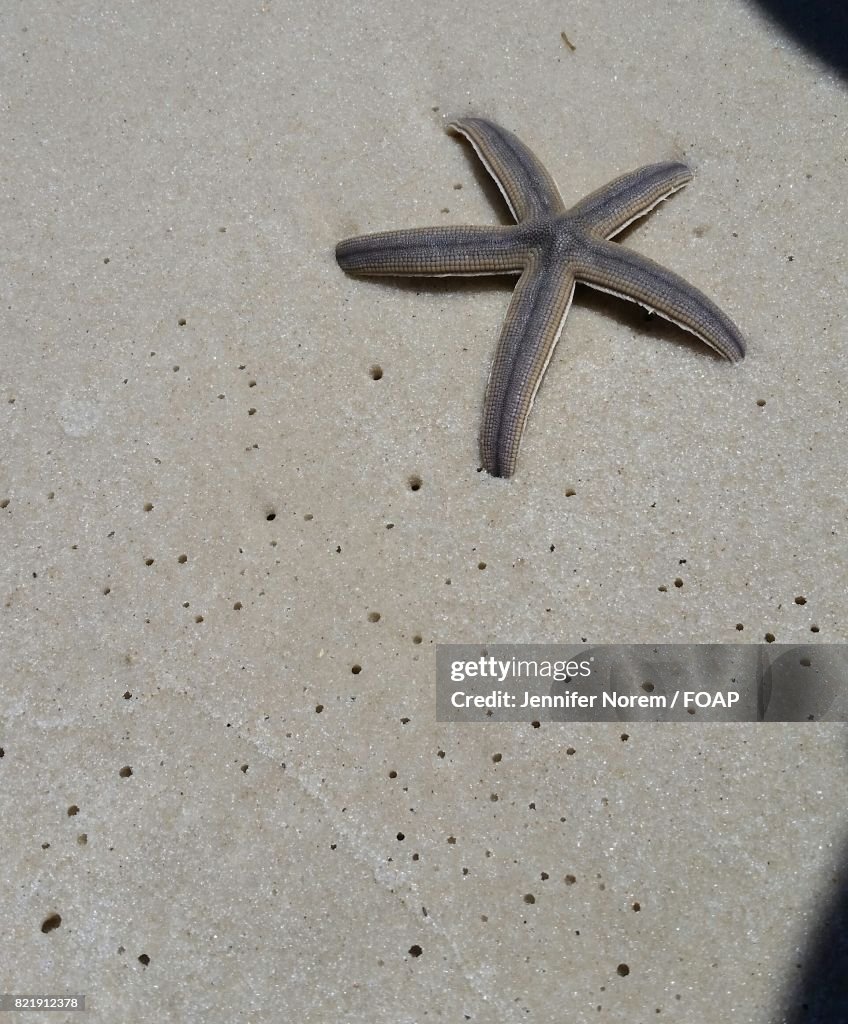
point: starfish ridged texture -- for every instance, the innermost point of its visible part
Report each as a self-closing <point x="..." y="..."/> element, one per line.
<point x="551" y="248"/>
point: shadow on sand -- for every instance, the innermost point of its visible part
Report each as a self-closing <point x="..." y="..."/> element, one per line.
<point x="820" y="26"/>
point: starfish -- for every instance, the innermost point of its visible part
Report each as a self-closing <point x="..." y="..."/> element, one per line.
<point x="552" y="249"/>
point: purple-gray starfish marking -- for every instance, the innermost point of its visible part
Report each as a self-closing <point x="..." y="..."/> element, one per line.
<point x="551" y="248"/>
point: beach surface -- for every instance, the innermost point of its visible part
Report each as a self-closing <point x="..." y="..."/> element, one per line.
<point x="241" y="504"/>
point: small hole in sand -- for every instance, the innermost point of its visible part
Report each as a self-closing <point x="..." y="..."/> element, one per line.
<point x="125" y="772"/>
<point x="376" y="373"/>
<point x="51" y="923"/>
<point x="415" y="483"/>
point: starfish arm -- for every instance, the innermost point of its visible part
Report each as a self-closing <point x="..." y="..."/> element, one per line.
<point x="613" y="268"/>
<point x="526" y="185"/>
<point x="529" y="335"/>
<point x="437" y="252"/>
<point x="610" y="209"/>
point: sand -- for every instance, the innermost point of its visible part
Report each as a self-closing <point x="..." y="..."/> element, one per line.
<point x="240" y="506"/>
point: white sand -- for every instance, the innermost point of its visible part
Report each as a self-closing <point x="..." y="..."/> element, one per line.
<point x="254" y="853"/>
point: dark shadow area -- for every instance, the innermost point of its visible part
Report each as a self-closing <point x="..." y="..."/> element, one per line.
<point x="820" y="994"/>
<point x="820" y="26"/>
